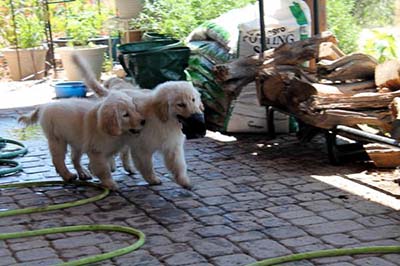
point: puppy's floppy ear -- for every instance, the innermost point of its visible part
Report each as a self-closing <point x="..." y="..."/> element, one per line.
<point x="109" y="120"/>
<point x="161" y="109"/>
<point x="198" y="96"/>
<point x="201" y="106"/>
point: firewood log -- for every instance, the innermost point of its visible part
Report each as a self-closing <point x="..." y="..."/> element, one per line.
<point x="387" y="74"/>
<point x="350" y="67"/>
<point x="329" y="51"/>
<point x="287" y="54"/>
<point x="360" y="101"/>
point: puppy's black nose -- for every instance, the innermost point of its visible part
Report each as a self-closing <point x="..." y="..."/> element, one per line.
<point x="194" y="126"/>
<point x="134" y="131"/>
<point x="143" y="122"/>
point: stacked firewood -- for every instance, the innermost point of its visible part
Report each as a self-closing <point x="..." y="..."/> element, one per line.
<point x="340" y="89"/>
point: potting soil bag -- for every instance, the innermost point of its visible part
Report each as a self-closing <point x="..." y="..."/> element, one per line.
<point x="212" y="50"/>
<point x="286" y="21"/>
<point x="224" y="29"/>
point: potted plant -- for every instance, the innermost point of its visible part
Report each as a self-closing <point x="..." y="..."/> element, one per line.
<point x="25" y="53"/>
<point x="83" y="25"/>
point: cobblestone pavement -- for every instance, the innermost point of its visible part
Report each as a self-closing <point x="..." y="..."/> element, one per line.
<point x="253" y="198"/>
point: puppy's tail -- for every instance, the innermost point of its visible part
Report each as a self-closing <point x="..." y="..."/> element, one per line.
<point x="31" y="118"/>
<point x="89" y="77"/>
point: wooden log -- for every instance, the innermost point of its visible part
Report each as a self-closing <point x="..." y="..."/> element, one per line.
<point x="383" y="156"/>
<point x="297" y="52"/>
<point x="286" y="54"/>
<point x="361" y="101"/>
<point x="329" y="51"/>
<point x="395" y="108"/>
<point x="395" y="115"/>
<point x="245" y="67"/>
<point x="273" y="85"/>
<point x="345" y="88"/>
<point x="328" y="119"/>
<point x="350" y="67"/>
<point x="387" y="75"/>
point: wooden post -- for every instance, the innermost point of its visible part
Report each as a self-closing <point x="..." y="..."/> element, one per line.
<point x="322" y="16"/>
<point x="397" y="14"/>
<point x="320" y="9"/>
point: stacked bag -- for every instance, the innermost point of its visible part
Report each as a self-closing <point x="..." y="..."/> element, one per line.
<point x="233" y="35"/>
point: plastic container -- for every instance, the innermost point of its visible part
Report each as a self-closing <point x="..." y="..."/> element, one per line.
<point x="153" y="62"/>
<point x="70" y="89"/>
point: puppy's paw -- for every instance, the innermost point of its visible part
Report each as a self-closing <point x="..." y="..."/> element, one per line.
<point x="69" y="177"/>
<point x="129" y="168"/>
<point x="153" y="181"/>
<point x="184" y="182"/>
<point x="111" y="185"/>
<point x="84" y="175"/>
<point x="187" y="186"/>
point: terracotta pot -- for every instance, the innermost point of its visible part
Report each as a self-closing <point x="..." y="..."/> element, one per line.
<point x="128" y="8"/>
<point x="93" y="55"/>
<point x="27" y="62"/>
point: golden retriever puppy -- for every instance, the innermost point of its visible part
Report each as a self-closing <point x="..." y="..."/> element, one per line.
<point x="99" y="128"/>
<point x="172" y="110"/>
<point x="166" y="108"/>
<point x="112" y="84"/>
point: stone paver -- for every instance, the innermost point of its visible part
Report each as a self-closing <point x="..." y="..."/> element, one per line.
<point x="253" y="198"/>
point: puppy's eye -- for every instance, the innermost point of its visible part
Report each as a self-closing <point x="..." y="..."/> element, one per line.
<point x="126" y="114"/>
<point x="192" y="99"/>
<point x="183" y="105"/>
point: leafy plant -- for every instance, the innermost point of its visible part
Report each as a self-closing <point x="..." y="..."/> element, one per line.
<point x="381" y="45"/>
<point x="372" y="13"/>
<point x="178" y="18"/>
<point x="343" y="24"/>
<point x="346" y="18"/>
<point x="79" y="21"/>
<point x="25" y="29"/>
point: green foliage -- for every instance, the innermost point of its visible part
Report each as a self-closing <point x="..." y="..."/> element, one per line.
<point x="107" y="64"/>
<point x="79" y="20"/>
<point x="30" y="31"/>
<point x="178" y="18"/>
<point x="381" y="45"/>
<point x="343" y="24"/>
<point x="346" y="18"/>
<point x="26" y="29"/>
<point x="372" y="13"/>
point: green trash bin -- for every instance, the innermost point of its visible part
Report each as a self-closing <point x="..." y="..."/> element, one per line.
<point x="154" y="62"/>
<point x="153" y="36"/>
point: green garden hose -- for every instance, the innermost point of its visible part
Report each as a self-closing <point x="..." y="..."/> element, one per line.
<point x="13" y="166"/>
<point x="55" y="206"/>
<point x="115" y="228"/>
<point x="78" y="228"/>
<point x="97" y="227"/>
<point x="327" y="253"/>
<point x="12" y="154"/>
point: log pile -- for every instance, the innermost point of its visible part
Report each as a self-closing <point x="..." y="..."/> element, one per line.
<point x="343" y="89"/>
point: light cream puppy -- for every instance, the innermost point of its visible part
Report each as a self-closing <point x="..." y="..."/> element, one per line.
<point x="167" y="104"/>
<point x="165" y="109"/>
<point x="98" y="128"/>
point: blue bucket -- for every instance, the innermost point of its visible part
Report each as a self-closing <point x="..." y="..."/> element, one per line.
<point x="70" y="89"/>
